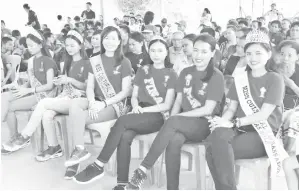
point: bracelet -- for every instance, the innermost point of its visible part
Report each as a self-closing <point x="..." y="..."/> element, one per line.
<point x="105" y="103"/>
<point x="238" y="122"/>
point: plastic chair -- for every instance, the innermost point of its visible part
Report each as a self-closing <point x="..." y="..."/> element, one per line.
<point x="197" y="157"/>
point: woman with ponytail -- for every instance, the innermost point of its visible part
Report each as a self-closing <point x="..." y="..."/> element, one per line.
<point x="41" y="71"/>
<point x="200" y="89"/>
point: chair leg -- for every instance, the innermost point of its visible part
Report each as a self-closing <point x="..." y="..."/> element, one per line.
<point x="64" y="135"/>
<point x="91" y="137"/>
<point x="42" y="139"/>
<point x="141" y="149"/>
<point x="200" y="163"/>
<point x="237" y="173"/>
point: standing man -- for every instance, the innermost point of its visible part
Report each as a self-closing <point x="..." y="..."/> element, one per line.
<point x="165" y="27"/>
<point x="182" y="26"/>
<point x="32" y="18"/>
<point x="88" y="14"/>
<point x="273" y="14"/>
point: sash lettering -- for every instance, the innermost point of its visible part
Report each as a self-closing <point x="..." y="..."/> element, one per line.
<point x="105" y="85"/>
<point x="273" y="145"/>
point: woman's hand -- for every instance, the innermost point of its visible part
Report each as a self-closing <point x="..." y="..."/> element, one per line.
<point x="137" y="110"/>
<point x="62" y="79"/>
<point x="21" y="92"/>
<point x="94" y="108"/>
<point x="220" y="122"/>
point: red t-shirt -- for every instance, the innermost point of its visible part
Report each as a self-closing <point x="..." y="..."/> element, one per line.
<point x="196" y="92"/>
<point x="114" y="73"/>
<point x="291" y="99"/>
<point x="41" y="65"/>
<point x="149" y="78"/>
<point x="268" y="88"/>
<point x="79" y="70"/>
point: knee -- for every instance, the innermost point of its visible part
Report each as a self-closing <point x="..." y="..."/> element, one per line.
<point x="127" y="138"/>
<point x="172" y="122"/>
<point x="176" y="143"/>
<point x="48" y="115"/>
<point x="221" y="136"/>
<point x="74" y="106"/>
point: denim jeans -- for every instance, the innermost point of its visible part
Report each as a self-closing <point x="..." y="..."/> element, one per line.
<point x="224" y="147"/>
<point x="121" y="136"/>
<point x="176" y="131"/>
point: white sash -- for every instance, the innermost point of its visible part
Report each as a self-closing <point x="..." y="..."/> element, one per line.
<point x="35" y="83"/>
<point x="105" y="85"/>
<point x="155" y="92"/>
<point x="273" y="146"/>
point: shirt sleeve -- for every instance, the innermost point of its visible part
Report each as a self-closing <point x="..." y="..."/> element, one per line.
<point x="82" y="14"/>
<point x="171" y="83"/>
<point x="93" y="15"/>
<point x="215" y="90"/>
<point x="232" y="93"/>
<point x="139" y="77"/>
<point x="180" y="82"/>
<point x="275" y="92"/>
<point x="126" y="68"/>
<point x="50" y="64"/>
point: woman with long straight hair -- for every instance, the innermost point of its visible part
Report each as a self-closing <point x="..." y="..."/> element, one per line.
<point x="76" y="69"/>
<point x="108" y="86"/>
<point x="41" y="71"/>
<point x="151" y="102"/>
<point x="248" y="127"/>
<point x="200" y="90"/>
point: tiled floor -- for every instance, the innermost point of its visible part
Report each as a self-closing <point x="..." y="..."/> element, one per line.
<point x="20" y="171"/>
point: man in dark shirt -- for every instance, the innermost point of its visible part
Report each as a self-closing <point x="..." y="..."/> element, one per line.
<point x="88" y="14"/>
<point x="32" y="18"/>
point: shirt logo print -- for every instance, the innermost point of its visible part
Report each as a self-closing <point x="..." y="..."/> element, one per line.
<point x="139" y="64"/>
<point x="166" y="78"/>
<point x="115" y="72"/>
<point x="202" y="90"/>
<point x="146" y="68"/>
<point x="188" y="79"/>
<point x="263" y="91"/>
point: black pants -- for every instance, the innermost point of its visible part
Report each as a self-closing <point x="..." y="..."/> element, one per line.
<point x="176" y="131"/>
<point x="121" y="137"/>
<point x="224" y="147"/>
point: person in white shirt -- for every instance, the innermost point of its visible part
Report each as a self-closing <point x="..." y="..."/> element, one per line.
<point x="206" y="16"/>
<point x="273" y="14"/>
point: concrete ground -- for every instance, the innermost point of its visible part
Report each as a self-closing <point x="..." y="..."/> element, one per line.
<point x="20" y="171"/>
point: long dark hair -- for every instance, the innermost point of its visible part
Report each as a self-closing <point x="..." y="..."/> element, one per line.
<point x="44" y="50"/>
<point x="118" y="54"/>
<point x="167" y="63"/>
<point x="148" y="17"/>
<point x="68" y="59"/>
<point x="212" y="42"/>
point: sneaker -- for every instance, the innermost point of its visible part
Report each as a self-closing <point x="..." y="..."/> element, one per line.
<point x="119" y="187"/>
<point x="11" y="142"/>
<point x="19" y="143"/>
<point x="4" y="151"/>
<point x="71" y="171"/>
<point x="78" y="155"/>
<point x="50" y="153"/>
<point x="137" y="180"/>
<point x="91" y="173"/>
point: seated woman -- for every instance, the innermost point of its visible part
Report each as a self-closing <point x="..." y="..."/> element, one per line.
<point x="41" y="71"/>
<point x="151" y="101"/>
<point x="200" y="89"/>
<point x="76" y="68"/>
<point x="188" y="50"/>
<point x="256" y="100"/>
<point x="96" y="45"/>
<point x="108" y="86"/>
<point x="136" y="55"/>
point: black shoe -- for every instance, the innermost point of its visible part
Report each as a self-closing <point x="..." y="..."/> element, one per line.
<point x="72" y="171"/>
<point x="50" y="153"/>
<point x="119" y="187"/>
<point x="91" y="173"/>
<point x="137" y="180"/>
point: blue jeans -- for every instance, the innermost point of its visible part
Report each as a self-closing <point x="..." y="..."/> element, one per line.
<point x="176" y="131"/>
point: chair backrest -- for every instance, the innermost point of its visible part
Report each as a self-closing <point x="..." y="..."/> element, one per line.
<point x="15" y="61"/>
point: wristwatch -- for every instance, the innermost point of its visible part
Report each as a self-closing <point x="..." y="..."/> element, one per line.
<point x="236" y="122"/>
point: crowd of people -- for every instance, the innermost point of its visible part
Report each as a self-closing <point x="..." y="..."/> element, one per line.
<point x="236" y="89"/>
